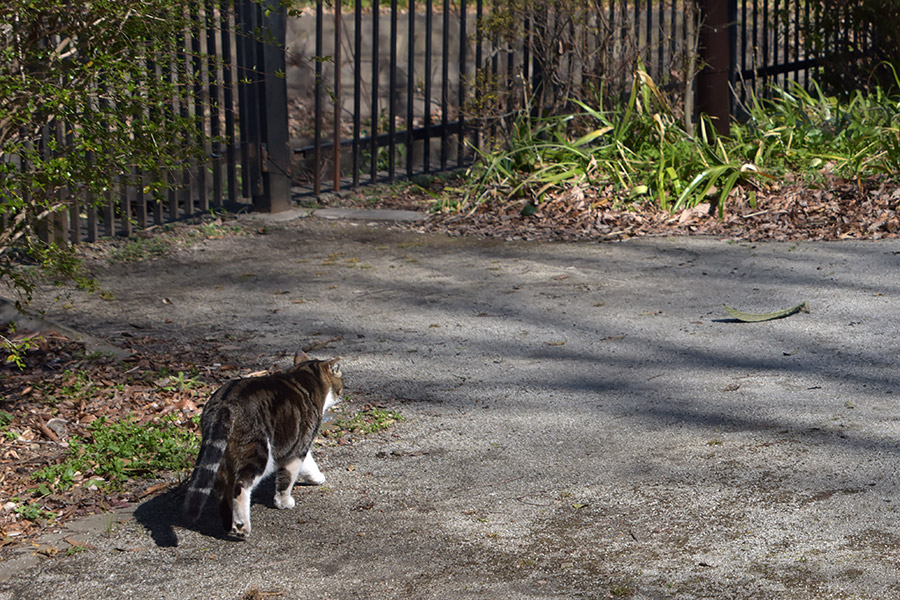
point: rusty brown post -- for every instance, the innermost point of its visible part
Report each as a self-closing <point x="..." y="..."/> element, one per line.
<point x="713" y="93"/>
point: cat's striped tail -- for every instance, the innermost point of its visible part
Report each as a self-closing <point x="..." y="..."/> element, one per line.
<point x="216" y="430"/>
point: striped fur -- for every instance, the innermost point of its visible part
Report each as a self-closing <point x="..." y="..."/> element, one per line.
<point x="256" y="426"/>
<point x="215" y="428"/>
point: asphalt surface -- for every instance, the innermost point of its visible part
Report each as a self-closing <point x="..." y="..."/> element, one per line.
<point x="580" y="420"/>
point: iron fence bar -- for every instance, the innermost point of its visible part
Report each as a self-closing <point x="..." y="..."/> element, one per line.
<point x="91" y="227"/>
<point x="673" y="35"/>
<point x="754" y="51"/>
<point x="317" y="134"/>
<point x="732" y="49"/>
<point x="796" y="38"/>
<point x="648" y="39"/>
<point x="426" y="111"/>
<point x="392" y="105"/>
<point x="153" y="113"/>
<point x="774" y="27"/>
<point x="445" y="81"/>
<point x="215" y="155"/>
<point x="75" y="227"/>
<point x="373" y="160"/>
<point x="637" y="25"/>
<point x="479" y="39"/>
<point x="623" y="31"/>
<point x="199" y="108"/>
<point x="410" y="86"/>
<point x="169" y="71"/>
<point x="765" y="39"/>
<point x="188" y="174"/>
<point x="743" y="50"/>
<point x="137" y="187"/>
<point x="337" y="95"/>
<point x="774" y="70"/>
<point x="510" y="65"/>
<point x="382" y="139"/>
<point x="493" y="81"/>
<point x="242" y="24"/>
<point x="357" y="86"/>
<point x="183" y="68"/>
<point x="229" y="61"/>
<point x="809" y="44"/>
<point x="460" y="110"/>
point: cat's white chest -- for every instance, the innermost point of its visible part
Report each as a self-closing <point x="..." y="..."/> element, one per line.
<point x="330" y="400"/>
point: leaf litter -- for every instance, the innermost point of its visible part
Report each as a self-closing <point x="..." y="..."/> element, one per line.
<point x="831" y="208"/>
<point x="63" y="386"/>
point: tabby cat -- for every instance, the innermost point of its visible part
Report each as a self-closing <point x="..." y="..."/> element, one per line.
<point x="255" y="426"/>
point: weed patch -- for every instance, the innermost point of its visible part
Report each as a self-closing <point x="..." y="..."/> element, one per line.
<point x="142" y="248"/>
<point x="368" y="420"/>
<point x="640" y="154"/>
<point x="117" y="451"/>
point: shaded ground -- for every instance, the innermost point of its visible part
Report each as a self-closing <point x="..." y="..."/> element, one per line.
<point x="581" y="420"/>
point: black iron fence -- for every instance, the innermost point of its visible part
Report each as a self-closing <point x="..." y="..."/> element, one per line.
<point x="403" y="90"/>
<point x="227" y="70"/>
<point x="400" y="92"/>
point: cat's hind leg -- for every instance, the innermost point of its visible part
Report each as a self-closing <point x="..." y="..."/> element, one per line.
<point x="223" y="489"/>
<point x="285" y="477"/>
<point x="258" y="464"/>
<point x="309" y="470"/>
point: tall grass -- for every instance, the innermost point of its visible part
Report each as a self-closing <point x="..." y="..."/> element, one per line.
<point x="643" y="152"/>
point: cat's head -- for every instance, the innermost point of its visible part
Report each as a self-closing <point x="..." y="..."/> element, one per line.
<point x="332" y="370"/>
<point x="329" y="369"/>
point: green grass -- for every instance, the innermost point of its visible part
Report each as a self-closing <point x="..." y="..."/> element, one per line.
<point x="138" y="249"/>
<point x="365" y="422"/>
<point x="117" y="451"/>
<point x="643" y="151"/>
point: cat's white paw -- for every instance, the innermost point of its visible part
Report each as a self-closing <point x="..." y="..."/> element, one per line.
<point x="284" y="501"/>
<point x="314" y="478"/>
<point x="309" y="471"/>
<point x="241" y="531"/>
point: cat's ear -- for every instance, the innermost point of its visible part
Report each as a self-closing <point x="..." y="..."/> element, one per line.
<point x="334" y="367"/>
<point x="300" y="357"/>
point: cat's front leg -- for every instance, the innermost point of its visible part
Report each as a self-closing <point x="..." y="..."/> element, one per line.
<point x="309" y="471"/>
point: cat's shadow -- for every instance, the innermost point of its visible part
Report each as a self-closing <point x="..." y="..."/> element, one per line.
<point x="161" y="514"/>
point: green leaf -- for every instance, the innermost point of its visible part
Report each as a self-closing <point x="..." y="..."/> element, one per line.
<point x="758" y="317"/>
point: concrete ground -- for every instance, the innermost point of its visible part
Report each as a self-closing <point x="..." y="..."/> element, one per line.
<point x="580" y="420"/>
